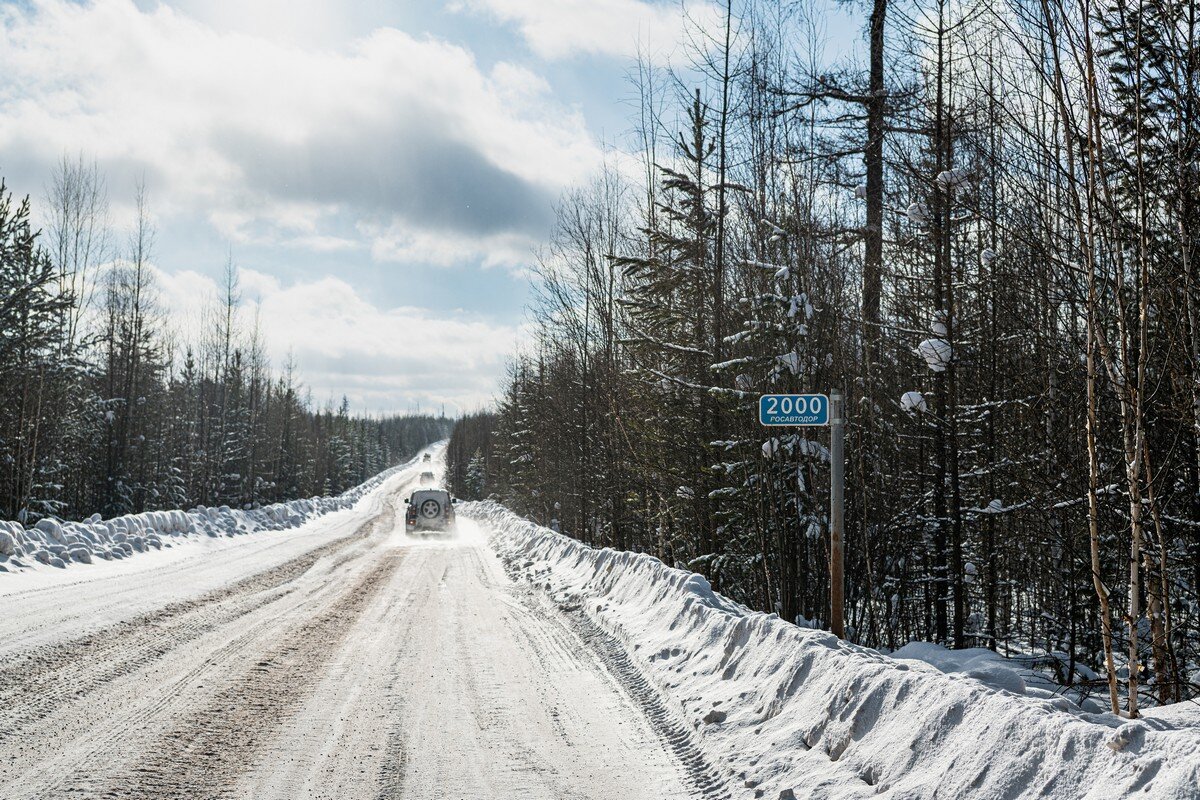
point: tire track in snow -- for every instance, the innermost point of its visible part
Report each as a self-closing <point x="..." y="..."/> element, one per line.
<point x="35" y="682"/>
<point x="495" y="698"/>
<point x="394" y="767"/>
<point x="533" y="633"/>
<point x="675" y="733"/>
<point x="203" y="754"/>
<point x="705" y="781"/>
<point x="395" y="763"/>
<point x="84" y="692"/>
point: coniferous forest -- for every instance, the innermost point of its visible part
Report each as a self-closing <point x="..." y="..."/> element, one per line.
<point x="984" y="231"/>
<point x="105" y="407"/>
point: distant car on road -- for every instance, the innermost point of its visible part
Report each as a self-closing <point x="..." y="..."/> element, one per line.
<point x="427" y="478"/>
<point x="429" y="511"/>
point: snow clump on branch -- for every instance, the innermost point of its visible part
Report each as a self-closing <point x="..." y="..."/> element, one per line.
<point x="791" y="361"/>
<point x="940" y="318"/>
<point x="937" y="353"/>
<point x="952" y="178"/>
<point x="918" y="214"/>
<point x="913" y="403"/>
<point x="936" y="350"/>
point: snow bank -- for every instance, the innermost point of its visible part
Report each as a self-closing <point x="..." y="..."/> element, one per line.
<point x="979" y="663"/>
<point x="61" y="544"/>
<point x="783" y="709"/>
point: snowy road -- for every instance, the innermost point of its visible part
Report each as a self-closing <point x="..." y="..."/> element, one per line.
<point x="338" y="661"/>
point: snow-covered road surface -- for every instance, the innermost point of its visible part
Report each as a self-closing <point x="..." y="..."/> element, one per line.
<point x="341" y="660"/>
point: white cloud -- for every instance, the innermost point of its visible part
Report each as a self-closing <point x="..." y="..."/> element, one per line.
<point x="308" y="22"/>
<point x="616" y="28"/>
<point x="274" y="143"/>
<point x="382" y="359"/>
<point x="397" y="242"/>
<point x="183" y="292"/>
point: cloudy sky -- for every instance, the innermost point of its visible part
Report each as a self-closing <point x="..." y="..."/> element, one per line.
<point x="380" y="169"/>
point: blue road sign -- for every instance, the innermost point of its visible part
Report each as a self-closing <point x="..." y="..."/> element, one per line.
<point x="793" y="409"/>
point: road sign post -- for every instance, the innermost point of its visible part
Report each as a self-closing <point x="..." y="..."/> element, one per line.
<point x="837" y="509"/>
<point x="817" y="410"/>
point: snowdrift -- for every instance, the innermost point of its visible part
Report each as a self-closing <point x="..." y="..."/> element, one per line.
<point x="781" y="709"/>
<point x="60" y="544"/>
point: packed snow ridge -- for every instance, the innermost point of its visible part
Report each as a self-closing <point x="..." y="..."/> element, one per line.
<point x="57" y="543"/>
<point x="786" y="711"/>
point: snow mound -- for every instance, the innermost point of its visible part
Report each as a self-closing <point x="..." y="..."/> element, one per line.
<point x="979" y="663"/>
<point x="802" y="713"/>
<point x="56" y="543"/>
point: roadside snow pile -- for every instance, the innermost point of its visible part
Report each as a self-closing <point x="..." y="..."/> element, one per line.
<point x="784" y="710"/>
<point x="979" y="663"/>
<point x="59" y="544"/>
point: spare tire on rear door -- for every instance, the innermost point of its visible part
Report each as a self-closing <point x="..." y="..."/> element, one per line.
<point x="430" y="508"/>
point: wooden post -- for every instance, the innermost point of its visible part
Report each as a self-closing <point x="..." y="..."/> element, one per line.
<point x="837" y="613"/>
